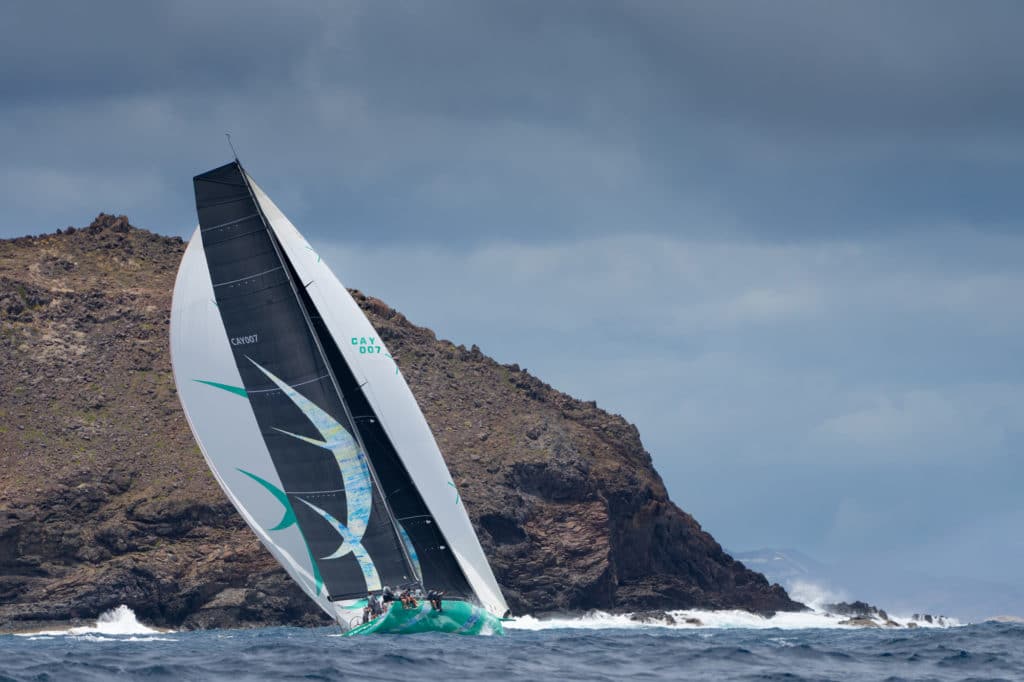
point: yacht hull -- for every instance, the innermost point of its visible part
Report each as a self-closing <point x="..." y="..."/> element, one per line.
<point x="456" y="617"/>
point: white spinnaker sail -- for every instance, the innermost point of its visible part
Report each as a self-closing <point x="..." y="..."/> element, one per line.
<point x="223" y="423"/>
<point x="391" y="399"/>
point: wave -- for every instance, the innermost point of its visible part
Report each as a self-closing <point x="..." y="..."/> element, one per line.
<point x="120" y="624"/>
<point x="695" y="620"/>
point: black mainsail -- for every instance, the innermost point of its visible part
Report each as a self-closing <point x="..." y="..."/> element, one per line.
<point x="364" y="521"/>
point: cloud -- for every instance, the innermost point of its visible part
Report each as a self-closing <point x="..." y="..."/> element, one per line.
<point x="785" y="240"/>
<point x="77" y="194"/>
<point x="791" y="376"/>
<point x="681" y="286"/>
<point x="913" y="415"/>
<point x="454" y="120"/>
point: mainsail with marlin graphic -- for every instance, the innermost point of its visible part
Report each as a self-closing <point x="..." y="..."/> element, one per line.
<point x="308" y="425"/>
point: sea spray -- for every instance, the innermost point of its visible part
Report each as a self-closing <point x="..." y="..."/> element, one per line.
<point x="814" y="594"/>
<point x="696" y="619"/>
<point x="120" y="621"/>
<point x="599" y="646"/>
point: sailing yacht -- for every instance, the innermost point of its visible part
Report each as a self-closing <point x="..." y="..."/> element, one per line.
<point x="307" y="424"/>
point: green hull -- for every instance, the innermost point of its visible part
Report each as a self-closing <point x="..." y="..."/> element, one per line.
<point x="458" y="617"/>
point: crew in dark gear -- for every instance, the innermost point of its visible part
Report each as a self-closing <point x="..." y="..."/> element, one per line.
<point x="373" y="603"/>
<point x="435" y="599"/>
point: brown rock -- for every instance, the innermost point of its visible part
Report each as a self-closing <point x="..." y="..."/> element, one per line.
<point x="861" y="622"/>
<point x="107" y="500"/>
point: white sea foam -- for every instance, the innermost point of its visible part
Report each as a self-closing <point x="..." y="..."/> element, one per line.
<point x="698" y="620"/>
<point x="119" y="623"/>
<point x="89" y="637"/>
<point x="595" y="620"/>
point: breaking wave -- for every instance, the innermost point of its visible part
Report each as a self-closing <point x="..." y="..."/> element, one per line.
<point x="118" y="624"/>
<point x="693" y="620"/>
<point x="613" y="649"/>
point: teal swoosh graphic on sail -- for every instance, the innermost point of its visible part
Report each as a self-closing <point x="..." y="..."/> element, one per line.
<point x="282" y="497"/>
<point x="237" y="390"/>
<point x="289" y="513"/>
<point x="351" y="462"/>
<point x="355" y="546"/>
<point x="288" y="520"/>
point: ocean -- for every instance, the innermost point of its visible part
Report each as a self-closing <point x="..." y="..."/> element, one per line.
<point x="727" y="646"/>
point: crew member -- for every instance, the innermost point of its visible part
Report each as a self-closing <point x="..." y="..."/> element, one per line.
<point x="435" y="599"/>
<point x="373" y="602"/>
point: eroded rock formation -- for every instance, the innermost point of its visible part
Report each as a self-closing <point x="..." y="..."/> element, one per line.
<point x="106" y="498"/>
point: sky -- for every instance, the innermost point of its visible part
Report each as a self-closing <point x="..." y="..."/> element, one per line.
<point x="784" y="239"/>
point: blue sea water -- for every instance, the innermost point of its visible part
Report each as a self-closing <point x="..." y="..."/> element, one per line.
<point x="988" y="651"/>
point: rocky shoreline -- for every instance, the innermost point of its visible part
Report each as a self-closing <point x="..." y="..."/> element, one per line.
<point x="865" y="615"/>
<point x="107" y="500"/>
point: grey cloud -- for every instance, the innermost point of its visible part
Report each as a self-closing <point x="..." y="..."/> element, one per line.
<point x="794" y="119"/>
<point x="875" y="381"/>
<point x="783" y="238"/>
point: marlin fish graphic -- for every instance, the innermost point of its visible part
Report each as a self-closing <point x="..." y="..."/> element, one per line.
<point x="354" y="473"/>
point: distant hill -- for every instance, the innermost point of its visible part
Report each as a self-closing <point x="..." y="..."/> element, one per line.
<point x="785" y="566"/>
<point x="899" y="590"/>
<point x="106" y="498"/>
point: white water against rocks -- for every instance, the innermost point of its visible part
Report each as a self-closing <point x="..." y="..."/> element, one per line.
<point x="596" y="646"/>
<point x="120" y="622"/>
<point x="694" y="619"/>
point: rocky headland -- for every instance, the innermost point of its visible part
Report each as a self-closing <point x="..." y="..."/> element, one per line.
<point x="862" y="614"/>
<point x="106" y="499"/>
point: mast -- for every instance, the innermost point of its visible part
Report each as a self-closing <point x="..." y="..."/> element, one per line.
<point x="289" y="273"/>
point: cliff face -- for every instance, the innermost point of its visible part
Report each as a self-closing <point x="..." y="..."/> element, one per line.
<point x="107" y="500"/>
